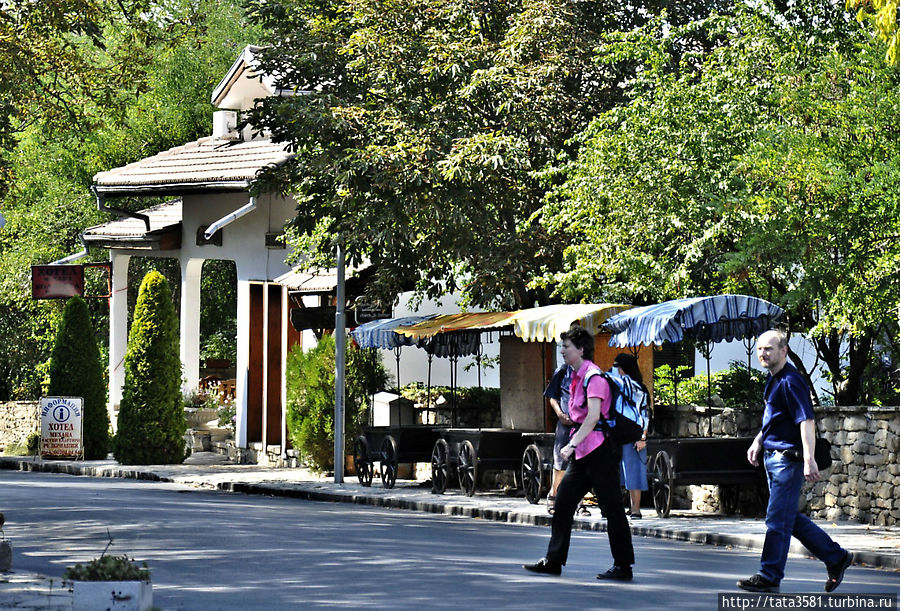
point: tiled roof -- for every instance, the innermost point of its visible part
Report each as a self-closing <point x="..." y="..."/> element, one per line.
<point x="316" y="281"/>
<point x="161" y="217"/>
<point x="128" y="232"/>
<point x="207" y="164"/>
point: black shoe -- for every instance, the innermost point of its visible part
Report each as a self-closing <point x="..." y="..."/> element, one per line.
<point x="618" y="573"/>
<point x="544" y="566"/>
<point x="758" y="583"/>
<point x="836" y="573"/>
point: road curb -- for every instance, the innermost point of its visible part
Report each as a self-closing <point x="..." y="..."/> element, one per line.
<point x="742" y="541"/>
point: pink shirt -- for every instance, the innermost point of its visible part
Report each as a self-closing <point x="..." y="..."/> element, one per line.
<point x="597" y="388"/>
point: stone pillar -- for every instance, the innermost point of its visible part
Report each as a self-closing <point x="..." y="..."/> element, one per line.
<point x="118" y="332"/>
<point x="190" y="323"/>
<point x="242" y="363"/>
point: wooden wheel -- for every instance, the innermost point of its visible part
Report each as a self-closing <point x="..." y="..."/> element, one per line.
<point x="467" y="467"/>
<point x="361" y="461"/>
<point x="440" y="466"/>
<point x="662" y="484"/>
<point x="388" y="462"/>
<point x="533" y="474"/>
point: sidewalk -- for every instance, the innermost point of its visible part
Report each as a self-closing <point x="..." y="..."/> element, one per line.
<point x="876" y="546"/>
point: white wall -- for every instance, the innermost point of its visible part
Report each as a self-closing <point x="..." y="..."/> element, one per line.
<point x="724" y="353"/>
<point x="414" y="361"/>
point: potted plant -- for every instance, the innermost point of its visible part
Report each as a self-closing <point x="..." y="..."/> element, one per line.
<point x="110" y="582"/>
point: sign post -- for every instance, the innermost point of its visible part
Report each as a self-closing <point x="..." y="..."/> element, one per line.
<point x="61" y="427"/>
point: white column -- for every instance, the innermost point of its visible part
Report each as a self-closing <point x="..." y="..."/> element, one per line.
<point x="118" y="331"/>
<point x="189" y="328"/>
<point x="243" y="359"/>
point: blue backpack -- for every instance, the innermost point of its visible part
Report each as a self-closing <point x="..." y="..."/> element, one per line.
<point x="625" y="423"/>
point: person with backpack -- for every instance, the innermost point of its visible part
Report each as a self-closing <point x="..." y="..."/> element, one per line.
<point x="593" y="463"/>
<point x="633" y="467"/>
<point x="557" y="392"/>
<point x="787" y="444"/>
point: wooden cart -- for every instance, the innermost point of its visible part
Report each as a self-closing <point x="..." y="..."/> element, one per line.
<point x="683" y="461"/>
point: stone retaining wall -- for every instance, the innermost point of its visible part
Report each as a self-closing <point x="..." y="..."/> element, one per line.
<point x="863" y="484"/>
<point x="17" y="420"/>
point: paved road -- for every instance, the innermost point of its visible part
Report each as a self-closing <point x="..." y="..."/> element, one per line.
<point x="211" y="550"/>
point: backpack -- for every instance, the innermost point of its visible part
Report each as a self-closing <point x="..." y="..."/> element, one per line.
<point x="625" y="423"/>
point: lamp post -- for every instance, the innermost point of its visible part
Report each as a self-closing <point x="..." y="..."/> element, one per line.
<point x="340" y="358"/>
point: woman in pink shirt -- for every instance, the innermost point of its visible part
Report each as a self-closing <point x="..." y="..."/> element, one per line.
<point x="595" y="465"/>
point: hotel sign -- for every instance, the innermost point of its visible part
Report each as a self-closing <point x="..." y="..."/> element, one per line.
<point x="61" y="427"/>
<point x="57" y="281"/>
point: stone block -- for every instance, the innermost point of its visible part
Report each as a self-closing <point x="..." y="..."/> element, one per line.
<point x="855" y="423"/>
<point x="875" y="460"/>
<point x="833" y="514"/>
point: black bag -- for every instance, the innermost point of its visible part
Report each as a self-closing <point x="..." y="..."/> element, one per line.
<point x="823" y="453"/>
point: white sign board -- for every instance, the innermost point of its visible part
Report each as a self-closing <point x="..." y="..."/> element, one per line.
<point x="61" y="426"/>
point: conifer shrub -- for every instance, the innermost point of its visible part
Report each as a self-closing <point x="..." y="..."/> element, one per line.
<point x="310" y="398"/>
<point x="76" y="371"/>
<point x="151" y="418"/>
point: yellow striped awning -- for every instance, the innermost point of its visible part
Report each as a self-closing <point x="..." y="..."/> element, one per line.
<point x="544" y="324"/>
<point x="466" y="321"/>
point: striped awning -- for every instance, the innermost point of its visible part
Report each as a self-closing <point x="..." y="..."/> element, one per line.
<point x="716" y="318"/>
<point x="545" y="324"/>
<point x="467" y="321"/>
<point x="380" y="333"/>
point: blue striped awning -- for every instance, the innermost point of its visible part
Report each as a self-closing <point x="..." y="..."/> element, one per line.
<point x="380" y="333"/>
<point x="717" y="318"/>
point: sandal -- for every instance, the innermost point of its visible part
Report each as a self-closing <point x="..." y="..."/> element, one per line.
<point x="551" y="504"/>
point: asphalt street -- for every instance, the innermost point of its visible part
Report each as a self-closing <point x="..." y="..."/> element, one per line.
<point x="213" y="550"/>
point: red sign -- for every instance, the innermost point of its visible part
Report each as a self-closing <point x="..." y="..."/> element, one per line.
<point x="57" y="281"/>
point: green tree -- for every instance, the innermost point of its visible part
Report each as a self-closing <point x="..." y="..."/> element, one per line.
<point x="310" y="398"/>
<point x="762" y="167"/>
<point x="76" y="371"/>
<point x="151" y="419"/>
<point x="48" y="159"/>
<point x="424" y="127"/>
<point x="883" y="16"/>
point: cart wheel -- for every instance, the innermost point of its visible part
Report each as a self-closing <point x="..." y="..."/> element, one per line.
<point x="389" y="462"/>
<point x="361" y="461"/>
<point x="663" y="483"/>
<point x="467" y="467"/>
<point x="532" y="474"/>
<point x="728" y="498"/>
<point x="440" y="466"/>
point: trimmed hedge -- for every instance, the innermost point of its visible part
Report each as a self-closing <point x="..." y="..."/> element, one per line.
<point x="151" y="418"/>
<point x="75" y="371"/>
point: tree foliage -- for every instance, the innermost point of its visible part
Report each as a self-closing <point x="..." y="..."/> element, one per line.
<point x="421" y="130"/>
<point x="76" y="371"/>
<point x="882" y="14"/>
<point x="145" y="90"/>
<point x="310" y="398"/>
<point x="151" y="419"/>
<point x="767" y="166"/>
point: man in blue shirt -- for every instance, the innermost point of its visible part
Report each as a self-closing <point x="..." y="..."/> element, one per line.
<point x="787" y="442"/>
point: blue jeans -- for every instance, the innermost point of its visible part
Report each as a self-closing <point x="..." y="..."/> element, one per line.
<point x="783" y="520"/>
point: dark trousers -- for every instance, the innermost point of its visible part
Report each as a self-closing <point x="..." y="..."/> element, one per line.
<point x="598" y="470"/>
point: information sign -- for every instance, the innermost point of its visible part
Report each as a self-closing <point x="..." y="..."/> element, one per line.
<point x="61" y="419"/>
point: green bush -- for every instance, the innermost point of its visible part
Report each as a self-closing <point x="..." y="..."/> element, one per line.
<point x="310" y="398"/>
<point x="33" y="443"/>
<point x="75" y="371"/>
<point x="735" y="386"/>
<point x="151" y="417"/>
<point x="108" y="568"/>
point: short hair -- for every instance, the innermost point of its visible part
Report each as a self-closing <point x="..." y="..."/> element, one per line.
<point x="780" y="335"/>
<point x="580" y="338"/>
<point x="629" y="365"/>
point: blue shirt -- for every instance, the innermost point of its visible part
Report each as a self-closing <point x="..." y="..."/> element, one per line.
<point x="558" y="388"/>
<point x="787" y="405"/>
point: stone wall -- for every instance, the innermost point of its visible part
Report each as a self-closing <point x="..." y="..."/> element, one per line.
<point x="863" y="484"/>
<point x="17" y="420"/>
